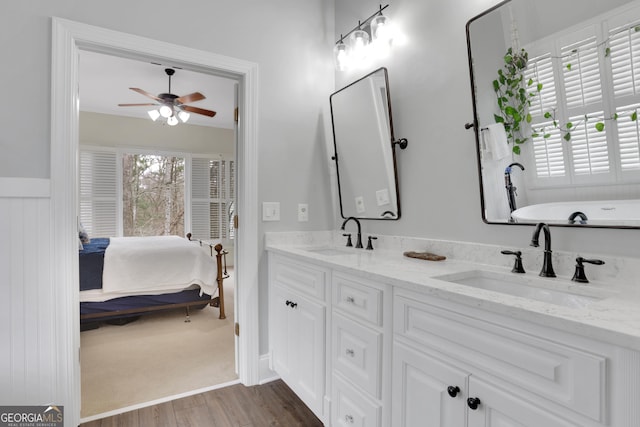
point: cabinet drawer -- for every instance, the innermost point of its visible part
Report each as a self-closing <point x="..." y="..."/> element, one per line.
<point x="300" y="276"/>
<point x="357" y="353"/>
<point x="564" y="374"/>
<point x="349" y="408"/>
<point x="357" y="298"/>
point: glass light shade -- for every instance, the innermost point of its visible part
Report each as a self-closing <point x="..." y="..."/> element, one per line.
<point x="381" y="29"/>
<point x="340" y="56"/>
<point x="154" y="114"/>
<point x="184" y="116"/>
<point x="166" y="111"/>
<point x="172" y="121"/>
<point x="358" y="44"/>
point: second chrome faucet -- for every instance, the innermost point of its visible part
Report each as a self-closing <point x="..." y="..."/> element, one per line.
<point x="547" y="265"/>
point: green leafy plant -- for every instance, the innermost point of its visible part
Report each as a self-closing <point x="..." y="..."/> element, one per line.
<point x="513" y="97"/>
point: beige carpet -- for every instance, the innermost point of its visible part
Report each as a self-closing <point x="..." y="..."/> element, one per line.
<point x="158" y="355"/>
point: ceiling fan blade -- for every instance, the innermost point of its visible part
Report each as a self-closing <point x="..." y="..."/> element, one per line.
<point x="145" y="93"/>
<point x="136" y="105"/>
<point x="192" y="97"/>
<point x="198" y="110"/>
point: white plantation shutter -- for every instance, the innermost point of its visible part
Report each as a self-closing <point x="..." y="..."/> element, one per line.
<point x="628" y="139"/>
<point x="540" y="71"/>
<point x="589" y="146"/>
<point x="548" y="152"/>
<point x="581" y="73"/>
<point x="211" y="195"/>
<point x="98" y="192"/>
<point x="624" y="48"/>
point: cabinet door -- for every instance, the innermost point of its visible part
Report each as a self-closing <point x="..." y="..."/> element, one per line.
<point x="421" y="390"/>
<point x="282" y="330"/>
<point x="297" y="332"/>
<point x="499" y="407"/>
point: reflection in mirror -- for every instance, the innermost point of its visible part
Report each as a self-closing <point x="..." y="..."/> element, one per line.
<point x="556" y="93"/>
<point x="363" y="141"/>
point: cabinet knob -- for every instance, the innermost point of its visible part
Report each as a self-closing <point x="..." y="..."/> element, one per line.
<point x="473" y="403"/>
<point x="453" y="390"/>
<point x="288" y="303"/>
<point x="348" y="418"/>
<point x="350" y="352"/>
<point x="351" y="300"/>
<point x="294" y="304"/>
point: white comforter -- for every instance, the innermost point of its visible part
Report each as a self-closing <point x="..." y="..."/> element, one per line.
<point x="152" y="266"/>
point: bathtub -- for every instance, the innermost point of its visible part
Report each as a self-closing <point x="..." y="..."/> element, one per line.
<point x="603" y="212"/>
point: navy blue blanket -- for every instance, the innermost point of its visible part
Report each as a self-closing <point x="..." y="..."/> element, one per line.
<point x="92" y="263"/>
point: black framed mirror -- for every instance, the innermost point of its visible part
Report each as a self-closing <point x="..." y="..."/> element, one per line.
<point x="556" y="93"/>
<point x="364" y="152"/>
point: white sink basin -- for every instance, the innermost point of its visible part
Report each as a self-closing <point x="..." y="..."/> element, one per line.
<point x="330" y="251"/>
<point x="522" y="286"/>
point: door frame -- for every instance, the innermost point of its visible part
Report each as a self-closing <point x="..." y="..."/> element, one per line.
<point x="68" y="37"/>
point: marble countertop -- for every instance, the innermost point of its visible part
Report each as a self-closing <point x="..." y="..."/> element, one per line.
<point x="614" y="319"/>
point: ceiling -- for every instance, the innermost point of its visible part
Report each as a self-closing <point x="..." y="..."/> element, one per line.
<point x="105" y="81"/>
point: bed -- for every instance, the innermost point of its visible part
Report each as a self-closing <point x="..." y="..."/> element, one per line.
<point x="124" y="277"/>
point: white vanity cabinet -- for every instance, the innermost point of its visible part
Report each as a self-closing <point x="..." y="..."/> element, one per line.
<point x="297" y="325"/>
<point x="358" y="351"/>
<point x="456" y="367"/>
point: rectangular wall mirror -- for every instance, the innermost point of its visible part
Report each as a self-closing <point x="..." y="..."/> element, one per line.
<point x="364" y="155"/>
<point x="556" y="94"/>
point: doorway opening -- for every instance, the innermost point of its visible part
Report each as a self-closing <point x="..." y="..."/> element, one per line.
<point x="140" y="177"/>
<point x="68" y="39"/>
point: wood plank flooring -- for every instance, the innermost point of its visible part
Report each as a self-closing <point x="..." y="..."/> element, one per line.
<point x="271" y="404"/>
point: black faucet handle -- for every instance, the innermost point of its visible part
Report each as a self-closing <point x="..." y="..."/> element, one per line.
<point x="578" y="275"/>
<point x="369" y="244"/>
<point x="348" y="236"/>
<point x="517" y="266"/>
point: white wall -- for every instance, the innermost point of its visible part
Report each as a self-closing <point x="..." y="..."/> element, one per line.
<point x="431" y="102"/>
<point x="106" y="130"/>
<point x="290" y="41"/>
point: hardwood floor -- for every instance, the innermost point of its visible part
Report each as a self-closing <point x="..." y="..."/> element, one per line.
<point x="271" y="404"/>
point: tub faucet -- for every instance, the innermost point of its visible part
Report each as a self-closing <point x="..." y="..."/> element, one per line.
<point x="547" y="266"/>
<point x="508" y="185"/>
<point x="359" y="241"/>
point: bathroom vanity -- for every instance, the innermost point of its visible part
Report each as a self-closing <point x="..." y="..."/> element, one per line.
<point x="372" y="338"/>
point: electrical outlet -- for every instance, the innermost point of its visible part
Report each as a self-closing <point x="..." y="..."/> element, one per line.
<point x="303" y="212"/>
<point x="360" y="204"/>
<point x="382" y="197"/>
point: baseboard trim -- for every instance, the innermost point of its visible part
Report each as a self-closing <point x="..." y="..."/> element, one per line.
<point x="265" y="372"/>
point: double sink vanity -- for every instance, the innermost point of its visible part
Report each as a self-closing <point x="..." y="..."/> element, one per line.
<point x="374" y="338"/>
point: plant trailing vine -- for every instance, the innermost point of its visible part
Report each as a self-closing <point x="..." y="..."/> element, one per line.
<point x="513" y="98"/>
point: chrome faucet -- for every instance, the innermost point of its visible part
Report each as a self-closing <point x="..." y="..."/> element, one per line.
<point x="359" y="241"/>
<point x="547" y="266"/>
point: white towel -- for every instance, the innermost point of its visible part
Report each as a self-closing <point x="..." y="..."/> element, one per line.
<point x="495" y="141"/>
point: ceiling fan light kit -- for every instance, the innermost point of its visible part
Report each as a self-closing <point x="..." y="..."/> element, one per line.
<point x="172" y="107"/>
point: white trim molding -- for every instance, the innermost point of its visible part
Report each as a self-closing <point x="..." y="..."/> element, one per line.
<point x="25" y="188"/>
<point x="68" y="39"/>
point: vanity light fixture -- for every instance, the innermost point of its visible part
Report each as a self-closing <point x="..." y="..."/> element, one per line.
<point x="362" y="44"/>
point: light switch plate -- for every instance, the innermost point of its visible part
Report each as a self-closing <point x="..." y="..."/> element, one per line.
<point x="271" y="211"/>
<point x="382" y="197"/>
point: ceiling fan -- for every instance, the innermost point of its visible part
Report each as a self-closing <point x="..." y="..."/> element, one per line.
<point x="172" y="106"/>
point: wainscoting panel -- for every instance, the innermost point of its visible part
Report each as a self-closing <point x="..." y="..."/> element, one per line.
<point x="28" y="361"/>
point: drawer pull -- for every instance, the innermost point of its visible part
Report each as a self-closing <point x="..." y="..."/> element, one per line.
<point x="453" y="390"/>
<point x="291" y="304"/>
<point x="473" y="403"/>
<point x="348" y="418"/>
<point x="351" y="300"/>
<point x="350" y="352"/>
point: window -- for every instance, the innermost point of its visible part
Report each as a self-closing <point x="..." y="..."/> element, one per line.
<point x="143" y="194"/>
<point x="592" y="135"/>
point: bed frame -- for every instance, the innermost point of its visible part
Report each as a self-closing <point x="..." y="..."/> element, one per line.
<point x="215" y="301"/>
